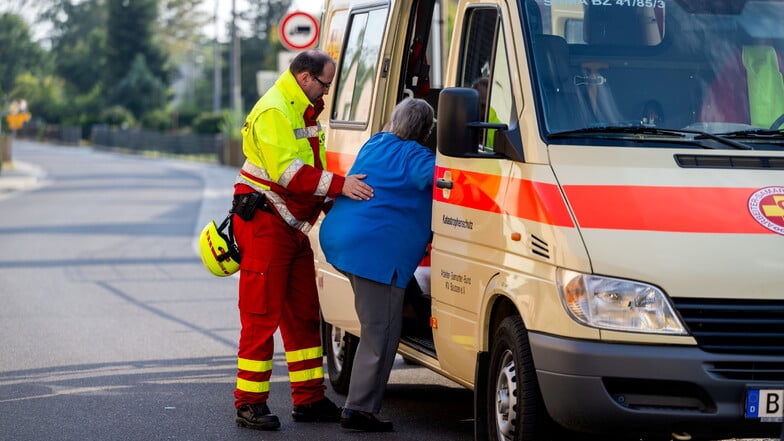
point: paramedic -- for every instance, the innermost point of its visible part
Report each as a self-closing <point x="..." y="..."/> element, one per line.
<point x="748" y="89"/>
<point x="482" y="85"/>
<point x="279" y="193"/>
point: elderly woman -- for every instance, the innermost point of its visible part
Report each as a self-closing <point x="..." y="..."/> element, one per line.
<point x="378" y="244"/>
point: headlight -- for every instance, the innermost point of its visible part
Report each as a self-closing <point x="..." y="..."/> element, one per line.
<point x="617" y="304"/>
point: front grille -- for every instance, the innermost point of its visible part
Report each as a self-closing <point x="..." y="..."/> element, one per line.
<point x="770" y="372"/>
<point x="735" y="326"/>
<point x="742" y="162"/>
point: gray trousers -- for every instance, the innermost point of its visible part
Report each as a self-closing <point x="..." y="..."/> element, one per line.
<point x="380" y="310"/>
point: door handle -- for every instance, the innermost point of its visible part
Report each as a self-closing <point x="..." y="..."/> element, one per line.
<point x="443" y="183"/>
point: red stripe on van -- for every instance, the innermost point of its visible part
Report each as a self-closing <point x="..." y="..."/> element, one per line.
<point x="525" y="199"/>
<point x="677" y="209"/>
<point x="537" y="201"/>
<point x="611" y="207"/>
<point x="340" y="163"/>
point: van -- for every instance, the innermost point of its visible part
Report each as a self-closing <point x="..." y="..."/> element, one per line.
<point x="608" y="210"/>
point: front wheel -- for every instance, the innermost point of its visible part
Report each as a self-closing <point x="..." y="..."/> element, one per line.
<point x="341" y="347"/>
<point x="515" y="408"/>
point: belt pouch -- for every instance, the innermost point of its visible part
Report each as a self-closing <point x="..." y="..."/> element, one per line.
<point x="245" y="205"/>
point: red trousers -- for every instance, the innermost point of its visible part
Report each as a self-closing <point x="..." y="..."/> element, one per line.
<point x="277" y="289"/>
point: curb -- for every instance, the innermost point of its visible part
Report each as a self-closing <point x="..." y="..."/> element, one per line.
<point x="18" y="175"/>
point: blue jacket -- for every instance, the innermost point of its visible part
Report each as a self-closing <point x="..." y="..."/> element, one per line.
<point x="386" y="236"/>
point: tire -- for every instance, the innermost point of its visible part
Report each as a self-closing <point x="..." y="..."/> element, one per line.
<point x="340" y="348"/>
<point x="515" y="408"/>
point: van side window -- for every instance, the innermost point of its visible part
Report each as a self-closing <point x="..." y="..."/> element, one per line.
<point x="359" y="66"/>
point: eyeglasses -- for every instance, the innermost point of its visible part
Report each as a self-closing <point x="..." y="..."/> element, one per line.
<point x="323" y="84"/>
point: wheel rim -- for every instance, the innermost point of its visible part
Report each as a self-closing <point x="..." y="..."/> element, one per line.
<point x="506" y="397"/>
<point x="338" y="347"/>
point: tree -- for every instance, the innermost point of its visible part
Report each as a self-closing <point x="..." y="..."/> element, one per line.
<point x="94" y="46"/>
<point x="265" y="17"/>
<point x="260" y="50"/>
<point x="18" y="52"/>
<point x="131" y="32"/>
<point x="45" y="96"/>
<point x="77" y="36"/>
<point x="199" y="97"/>
<point x="180" y="27"/>
<point x="79" y="42"/>
<point x="140" y="91"/>
<point x="255" y="55"/>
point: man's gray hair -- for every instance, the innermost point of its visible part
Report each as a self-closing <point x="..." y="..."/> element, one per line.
<point x="412" y="119"/>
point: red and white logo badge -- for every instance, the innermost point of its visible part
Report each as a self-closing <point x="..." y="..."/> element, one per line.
<point x="766" y="206"/>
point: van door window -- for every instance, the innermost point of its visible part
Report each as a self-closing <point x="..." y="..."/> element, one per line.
<point x="484" y="66"/>
<point x="500" y="93"/>
<point x="359" y="66"/>
<point x="478" y="45"/>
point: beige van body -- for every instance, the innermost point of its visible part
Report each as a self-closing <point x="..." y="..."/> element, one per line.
<point x="608" y="232"/>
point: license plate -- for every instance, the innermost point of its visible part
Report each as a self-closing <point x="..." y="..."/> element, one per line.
<point x="765" y="404"/>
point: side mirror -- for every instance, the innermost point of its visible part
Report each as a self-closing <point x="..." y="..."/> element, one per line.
<point x="458" y="112"/>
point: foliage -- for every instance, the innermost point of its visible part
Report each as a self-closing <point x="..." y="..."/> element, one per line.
<point x="185" y="115"/>
<point x="195" y="94"/>
<point x="255" y="56"/>
<point x="157" y="119"/>
<point x="18" y="52"/>
<point x="260" y="52"/>
<point x="117" y="116"/>
<point x="208" y="123"/>
<point x="265" y="17"/>
<point x="130" y="38"/>
<point x="140" y="90"/>
<point x="79" y="43"/>
<point x="231" y="124"/>
<point x="85" y="108"/>
<point x="45" y="96"/>
<point x="115" y="60"/>
<point x="179" y="27"/>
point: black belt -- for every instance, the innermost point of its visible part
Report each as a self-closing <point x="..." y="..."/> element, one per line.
<point x="245" y="205"/>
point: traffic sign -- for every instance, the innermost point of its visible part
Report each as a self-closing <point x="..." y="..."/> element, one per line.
<point x="298" y="30"/>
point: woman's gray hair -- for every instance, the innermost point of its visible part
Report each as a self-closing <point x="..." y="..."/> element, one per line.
<point x="412" y="119"/>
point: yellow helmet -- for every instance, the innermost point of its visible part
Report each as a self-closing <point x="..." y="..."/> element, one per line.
<point x="219" y="253"/>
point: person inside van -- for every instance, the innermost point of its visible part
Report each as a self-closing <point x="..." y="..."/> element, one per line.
<point x="748" y="88"/>
<point x="482" y="85"/>
<point x="378" y="244"/>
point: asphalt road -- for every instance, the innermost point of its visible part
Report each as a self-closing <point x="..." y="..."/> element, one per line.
<point x="110" y="328"/>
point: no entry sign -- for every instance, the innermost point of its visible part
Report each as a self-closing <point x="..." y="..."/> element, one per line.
<point x="298" y="31"/>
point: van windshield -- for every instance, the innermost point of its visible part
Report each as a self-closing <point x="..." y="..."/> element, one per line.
<point x="699" y="65"/>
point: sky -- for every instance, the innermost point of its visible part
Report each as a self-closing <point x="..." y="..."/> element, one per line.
<point x="224" y="12"/>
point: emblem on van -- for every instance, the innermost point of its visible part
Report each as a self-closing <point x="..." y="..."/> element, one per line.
<point x="766" y="206"/>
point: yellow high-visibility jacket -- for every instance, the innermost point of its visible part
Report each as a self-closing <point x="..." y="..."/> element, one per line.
<point x="285" y="156"/>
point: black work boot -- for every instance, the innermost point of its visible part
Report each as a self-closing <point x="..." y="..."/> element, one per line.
<point x="363" y="421"/>
<point x="324" y="411"/>
<point x="257" y="416"/>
